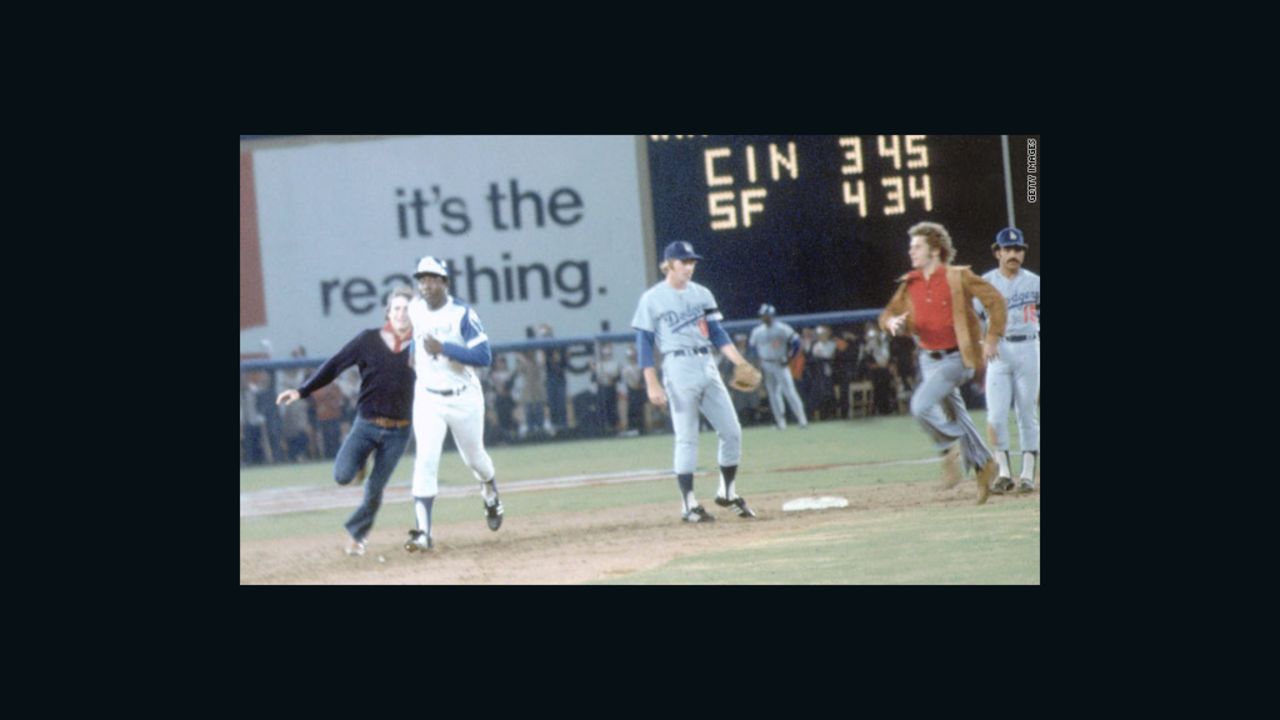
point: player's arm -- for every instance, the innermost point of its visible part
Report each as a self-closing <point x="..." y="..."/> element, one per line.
<point x="644" y="353"/>
<point x="721" y="339"/>
<point x="475" y="348"/>
<point x="793" y="345"/>
<point x="328" y="372"/>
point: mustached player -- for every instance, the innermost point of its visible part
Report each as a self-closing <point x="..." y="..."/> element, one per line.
<point x="1015" y="375"/>
<point x="448" y="343"/>
<point x="681" y="318"/>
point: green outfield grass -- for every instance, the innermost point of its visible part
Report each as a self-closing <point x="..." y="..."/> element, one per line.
<point x="988" y="545"/>
<point x="763" y="448"/>
<point x="997" y="543"/>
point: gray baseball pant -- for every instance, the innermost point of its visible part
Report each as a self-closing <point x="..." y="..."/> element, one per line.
<point x="779" y="384"/>
<point x="1015" y="376"/>
<point x="694" y="384"/>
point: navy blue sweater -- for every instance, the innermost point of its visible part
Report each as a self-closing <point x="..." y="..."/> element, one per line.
<point x="386" y="380"/>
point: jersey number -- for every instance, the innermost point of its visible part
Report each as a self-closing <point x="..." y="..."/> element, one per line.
<point x="1029" y="313"/>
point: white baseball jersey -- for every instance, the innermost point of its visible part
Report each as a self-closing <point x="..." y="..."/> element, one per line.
<point x="772" y="342"/>
<point x="455" y="322"/>
<point x="1022" y="295"/>
<point x="677" y="318"/>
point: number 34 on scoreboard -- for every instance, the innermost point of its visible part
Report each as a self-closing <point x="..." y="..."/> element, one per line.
<point x="918" y="186"/>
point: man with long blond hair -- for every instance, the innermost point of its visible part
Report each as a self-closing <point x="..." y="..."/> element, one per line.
<point x="935" y="302"/>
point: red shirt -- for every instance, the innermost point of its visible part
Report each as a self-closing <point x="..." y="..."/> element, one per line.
<point x="931" y="309"/>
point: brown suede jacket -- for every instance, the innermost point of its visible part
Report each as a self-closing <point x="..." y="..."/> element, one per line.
<point x="965" y="286"/>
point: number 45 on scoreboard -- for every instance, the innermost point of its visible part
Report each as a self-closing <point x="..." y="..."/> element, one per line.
<point x="889" y="146"/>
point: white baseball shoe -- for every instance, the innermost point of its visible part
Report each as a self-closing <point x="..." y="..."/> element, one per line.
<point x="355" y="547"/>
<point x="696" y="515"/>
<point x="418" y="541"/>
<point x="739" y="503"/>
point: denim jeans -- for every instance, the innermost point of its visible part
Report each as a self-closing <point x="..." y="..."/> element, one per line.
<point x="386" y="445"/>
<point x="939" y="408"/>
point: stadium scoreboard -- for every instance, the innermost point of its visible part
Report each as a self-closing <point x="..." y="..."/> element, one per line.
<point x="813" y="223"/>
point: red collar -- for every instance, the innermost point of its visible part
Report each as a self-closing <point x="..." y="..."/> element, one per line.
<point x="399" y="339"/>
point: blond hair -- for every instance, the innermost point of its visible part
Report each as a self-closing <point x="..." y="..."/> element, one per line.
<point x="937" y="237"/>
<point x="400" y="291"/>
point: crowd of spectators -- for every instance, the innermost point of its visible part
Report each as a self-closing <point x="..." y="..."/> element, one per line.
<point x="527" y="397"/>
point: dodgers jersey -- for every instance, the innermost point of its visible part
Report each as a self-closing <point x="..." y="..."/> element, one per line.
<point x="677" y="318"/>
<point x="1022" y="294"/>
<point x="455" y="322"/>
<point x="772" y="343"/>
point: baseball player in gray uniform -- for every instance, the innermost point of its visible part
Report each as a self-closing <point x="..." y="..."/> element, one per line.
<point x="682" y="319"/>
<point x="1015" y="374"/>
<point x="776" y="342"/>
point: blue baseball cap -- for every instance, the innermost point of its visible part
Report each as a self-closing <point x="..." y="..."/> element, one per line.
<point x="1010" y="237"/>
<point x="767" y="309"/>
<point x="680" y="250"/>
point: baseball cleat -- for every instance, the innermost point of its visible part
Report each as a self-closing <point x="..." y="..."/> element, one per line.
<point x="1026" y="485"/>
<point x="493" y="514"/>
<point x="951" y="472"/>
<point x="355" y="547"/>
<point x="696" y="515"/>
<point x="1001" y="486"/>
<point x="418" y="541"/>
<point x="984" y="476"/>
<point x="739" y="503"/>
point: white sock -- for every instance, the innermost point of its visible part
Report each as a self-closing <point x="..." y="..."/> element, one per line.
<point x="422" y="510"/>
<point x="690" y="501"/>
<point x="1029" y="465"/>
<point x="1002" y="458"/>
<point x="486" y="493"/>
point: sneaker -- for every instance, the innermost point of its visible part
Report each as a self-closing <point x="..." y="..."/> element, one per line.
<point x="418" y="540"/>
<point x="738" y="502"/>
<point x="984" y="477"/>
<point x="1002" y="486"/>
<point x="1026" y="485"/>
<point x="355" y="547"/>
<point x="493" y="514"/>
<point x="951" y="472"/>
<point x="697" y="514"/>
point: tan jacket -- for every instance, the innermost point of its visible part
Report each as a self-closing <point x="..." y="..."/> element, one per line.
<point x="965" y="286"/>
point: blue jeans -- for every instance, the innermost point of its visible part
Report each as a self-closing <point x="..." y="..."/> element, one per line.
<point x="939" y="408"/>
<point x="387" y="445"/>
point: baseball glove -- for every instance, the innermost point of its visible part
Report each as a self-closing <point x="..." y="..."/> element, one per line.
<point x="745" y="378"/>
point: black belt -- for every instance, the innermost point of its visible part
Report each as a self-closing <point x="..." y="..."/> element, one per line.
<point x="682" y="353"/>
<point x="939" y="354"/>
<point x="448" y="393"/>
<point x="1020" y="338"/>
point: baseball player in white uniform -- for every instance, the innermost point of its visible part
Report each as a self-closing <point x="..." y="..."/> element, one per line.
<point x="682" y="319"/>
<point x="448" y="342"/>
<point x="1015" y="374"/>
<point x="776" y="342"/>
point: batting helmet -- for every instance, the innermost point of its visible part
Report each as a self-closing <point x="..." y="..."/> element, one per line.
<point x="767" y="309"/>
<point x="1010" y="237"/>
<point x="431" y="266"/>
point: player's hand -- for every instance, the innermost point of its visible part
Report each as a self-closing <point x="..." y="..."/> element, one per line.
<point x="287" y="397"/>
<point x="657" y="395"/>
<point x="433" y="346"/>
<point x="895" y="323"/>
<point x="990" y="349"/>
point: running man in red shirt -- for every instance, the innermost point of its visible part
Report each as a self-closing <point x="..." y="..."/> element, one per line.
<point x="934" y="302"/>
